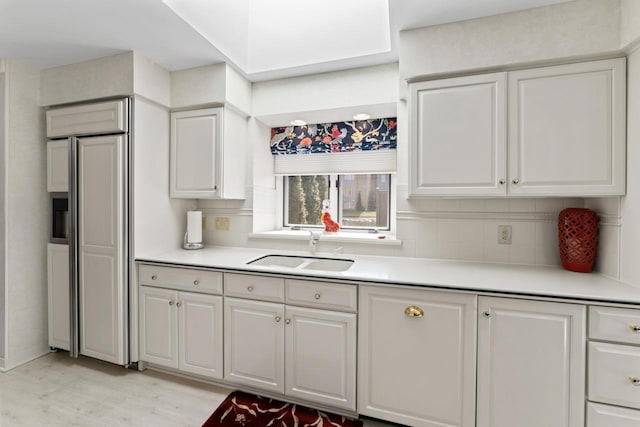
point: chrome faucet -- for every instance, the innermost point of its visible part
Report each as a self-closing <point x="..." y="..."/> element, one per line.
<point x="313" y="240"/>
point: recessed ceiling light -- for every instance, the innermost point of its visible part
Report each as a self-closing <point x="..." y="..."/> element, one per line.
<point x="298" y="122"/>
<point x="361" y="116"/>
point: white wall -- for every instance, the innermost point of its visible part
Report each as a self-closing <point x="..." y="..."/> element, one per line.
<point x="99" y="78"/>
<point x="566" y="30"/>
<point x="26" y="221"/>
<point x="326" y="97"/>
<point x="630" y="209"/>
<point x="3" y="182"/>
<point x="160" y="222"/>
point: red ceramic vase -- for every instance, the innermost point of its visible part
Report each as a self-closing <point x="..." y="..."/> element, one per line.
<point x="578" y="239"/>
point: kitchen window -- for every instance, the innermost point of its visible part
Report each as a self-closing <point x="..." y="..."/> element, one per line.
<point x="356" y="202"/>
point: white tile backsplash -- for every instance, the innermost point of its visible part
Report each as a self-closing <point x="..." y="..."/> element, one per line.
<point x="459" y="229"/>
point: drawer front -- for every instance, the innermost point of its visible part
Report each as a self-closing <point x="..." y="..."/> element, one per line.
<point x="614" y="324"/>
<point x="254" y="287"/>
<point x="611" y="416"/>
<point x="612" y="370"/>
<point x="322" y="294"/>
<point x="209" y="282"/>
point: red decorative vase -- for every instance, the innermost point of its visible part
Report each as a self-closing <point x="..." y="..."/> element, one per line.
<point x="578" y="239"/>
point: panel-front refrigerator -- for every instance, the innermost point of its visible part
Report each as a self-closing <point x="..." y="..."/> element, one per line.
<point x="97" y="136"/>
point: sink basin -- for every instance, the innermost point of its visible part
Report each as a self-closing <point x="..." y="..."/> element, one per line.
<point x="303" y="263"/>
<point x="278" y="261"/>
<point x="329" y="264"/>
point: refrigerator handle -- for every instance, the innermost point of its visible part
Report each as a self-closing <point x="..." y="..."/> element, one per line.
<point x="74" y="341"/>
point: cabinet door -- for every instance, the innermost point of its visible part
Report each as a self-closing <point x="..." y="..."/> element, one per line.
<point x="195" y="151"/>
<point x="95" y="118"/>
<point x="321" y="356"/>
<point x="458" y="136"/>
<point x="101" y="247"/>
<point x="58" y="288"/>
<point x="58" y="166"/>
<point x="159" y="326"/>
<point x="200" y="334"/>
<point x="254" y="343"/>
<point x="416" y="359"/>
<point x="567" y="129"/>
<point x="531" y="363"/>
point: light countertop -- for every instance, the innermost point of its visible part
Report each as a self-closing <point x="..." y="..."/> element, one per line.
<point x="479" y="277"/>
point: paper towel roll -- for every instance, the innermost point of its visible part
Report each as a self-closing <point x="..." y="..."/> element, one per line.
<point x="194" y="226"/>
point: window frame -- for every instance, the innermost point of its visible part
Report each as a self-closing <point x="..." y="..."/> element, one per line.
<point x="335" y="206"/>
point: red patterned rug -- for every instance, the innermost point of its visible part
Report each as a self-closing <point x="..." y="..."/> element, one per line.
<point x="243" y="409"/>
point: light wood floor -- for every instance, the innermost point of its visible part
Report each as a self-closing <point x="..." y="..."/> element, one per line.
<point x="56" y="390"/>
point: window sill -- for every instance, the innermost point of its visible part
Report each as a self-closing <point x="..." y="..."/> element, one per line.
<point x="339" y="237"/>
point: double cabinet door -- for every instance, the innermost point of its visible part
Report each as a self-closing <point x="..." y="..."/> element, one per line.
<point x="181" y="330"/>
<point x="548" y="131"/>
<point x="418" y="357"/>
<point x="300" y="352"/>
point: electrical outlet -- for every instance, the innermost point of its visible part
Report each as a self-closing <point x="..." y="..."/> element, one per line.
<point x="222" y="223"/>
<point x="504" y="234"/>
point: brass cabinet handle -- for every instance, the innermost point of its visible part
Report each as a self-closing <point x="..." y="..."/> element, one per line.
<point x="278" y="318"/>
<point x="502" y="181"/>
<point x="171" y="302"/>
<point x="486" y="314"/>
<point x="635" y="328"/>
<point x="317" y="296"/>
<point x="178" y="304"/>
<point x="196" y="282"/>
<point x="515" y="180"/>
<point x="413" y="311"/>
<point x="635" y="381"/>
<point x="287" y="321"/>
<point x="154" y="277"/>
<point x="250" y="288"/>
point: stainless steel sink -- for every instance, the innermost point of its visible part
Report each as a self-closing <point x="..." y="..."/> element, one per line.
<point x="303" y="263"/>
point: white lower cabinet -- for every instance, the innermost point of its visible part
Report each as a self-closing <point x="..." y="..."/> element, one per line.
<point x="320" y="356"/>
<point x="300" y="352"/>
<point x="181" y="330"/>
<point x="58" y="288"/>
<point x="531" y="363"/>
<point x="254" y="343"/>
<point x="417" y="356"/>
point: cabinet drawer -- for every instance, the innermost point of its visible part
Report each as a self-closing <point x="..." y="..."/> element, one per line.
<point x="254" y="287"/>
<point x="204" y="281"/>
<point x="612" y="369"/>
<point x="611" y="416"/>
<point x="614" y="324"/>
<point x="322" y="294"/>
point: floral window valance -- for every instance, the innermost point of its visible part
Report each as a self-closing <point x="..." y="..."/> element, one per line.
<point x="339" y="137"/>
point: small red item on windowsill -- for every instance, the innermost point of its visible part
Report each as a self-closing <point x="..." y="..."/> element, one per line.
<point x="329" y="225"/>
<point x="578" y="239"/>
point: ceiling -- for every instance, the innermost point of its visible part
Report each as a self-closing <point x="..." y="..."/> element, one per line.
<point x="263" y="39"/>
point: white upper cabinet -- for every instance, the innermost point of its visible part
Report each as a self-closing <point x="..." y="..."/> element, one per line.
<point x="95" y="118"/>
<point x="549" y="131"/>
<point x="58" y="166"/>
<point x="459" y="135"/>
<point x="207" y="154"/>
<point x="567" y="129"/>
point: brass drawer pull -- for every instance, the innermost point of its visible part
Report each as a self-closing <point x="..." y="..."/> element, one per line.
<point x="250" y="288"/>
<point x="413" y="311"/>
<point x="635" y="328"/>
<point x="317" y="296"/>
<point x="635" y="381"/>
<point x="196" y="282"/>
<point x="154" y="277"/>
